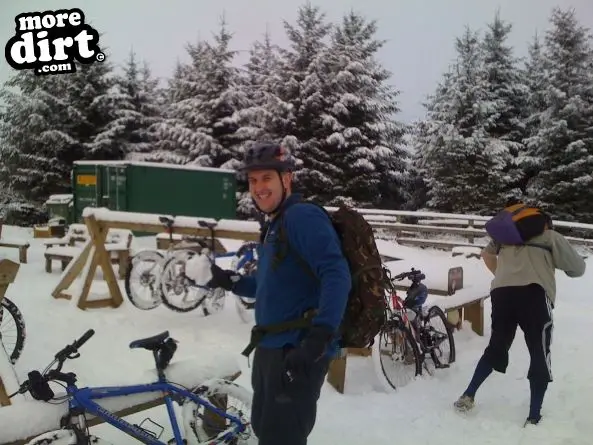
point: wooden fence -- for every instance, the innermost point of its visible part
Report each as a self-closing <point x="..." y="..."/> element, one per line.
<point x="448" y="230"/>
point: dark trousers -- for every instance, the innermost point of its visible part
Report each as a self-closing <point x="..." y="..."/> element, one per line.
<point x="283" y="412"/>
<point x="529" y="308"/>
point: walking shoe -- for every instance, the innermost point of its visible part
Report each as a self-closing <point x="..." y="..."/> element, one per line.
<point x="464" y="403"/>
<point x="532" y="421"/>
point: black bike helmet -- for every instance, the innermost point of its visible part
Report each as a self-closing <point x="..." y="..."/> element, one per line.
<point x="267" y="156"/>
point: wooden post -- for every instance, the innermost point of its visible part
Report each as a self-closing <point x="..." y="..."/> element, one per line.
<point x="474" y="313"/>
<point x="4" y="400"/>
<point x="8" y="272"/>
<point x="71" y="272"/>
<point x="102" y="258"/>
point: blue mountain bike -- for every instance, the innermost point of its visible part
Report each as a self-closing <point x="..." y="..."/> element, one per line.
<point x="202" y="421"/>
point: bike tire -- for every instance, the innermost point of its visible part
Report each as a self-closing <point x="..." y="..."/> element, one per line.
<point x="437" y="312"/>
<point x="194" y="422"/>
<point x="156" y="294"/>
<point x="166" y="284"/>
<point x="9" y="311"/>
<point x="394" y="328"/>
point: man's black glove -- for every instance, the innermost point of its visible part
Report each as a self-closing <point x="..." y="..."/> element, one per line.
<point x="298" y="361"/>
<point x="225" y="279"/>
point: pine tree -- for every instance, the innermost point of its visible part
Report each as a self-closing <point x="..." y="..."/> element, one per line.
<point x="93" y="101"/>
<point x="201" y="120"/>
<point x="506" y="99"/>
<point x="137" y="109"/>
<point x="463" y="167"/>
<point x="564" y="141"/>
<point x="537" y="81"/>
<point x="361" y="137"/>
<point x="261" y="81"/>
<point x="34" y="143"/>
<point x="302" y="104"/>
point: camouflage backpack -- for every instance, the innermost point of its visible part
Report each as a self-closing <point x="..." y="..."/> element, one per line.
<point x="365" y="311"/>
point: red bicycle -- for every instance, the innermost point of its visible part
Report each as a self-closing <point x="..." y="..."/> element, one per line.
<point x="412" y="335"/>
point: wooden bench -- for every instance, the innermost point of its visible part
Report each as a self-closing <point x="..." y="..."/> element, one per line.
<point x="22" y="246"/>
<point x="118" y="244"/>
<point x="434" y="243"/>
<point x="76" y="233"/>
<point x="8" y="272"/>
<point x="467" y="251"/>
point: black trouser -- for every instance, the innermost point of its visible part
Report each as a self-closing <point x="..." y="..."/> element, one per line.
<point x="283" y="413"/>
<point x="529" y="308"/>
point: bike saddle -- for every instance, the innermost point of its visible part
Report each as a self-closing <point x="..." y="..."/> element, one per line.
<point x="166" y="220"/>
<point x="150" y="343"/>
<point x="206" y="224"/>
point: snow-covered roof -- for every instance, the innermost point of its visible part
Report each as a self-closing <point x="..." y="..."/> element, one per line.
<point x="59" y="199"/>
<point x="156" y="164"/>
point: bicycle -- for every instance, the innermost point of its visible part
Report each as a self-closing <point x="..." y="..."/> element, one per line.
<point x="160" y="280"/>
<point x="81" y="401"/>
<point x="212" y="300"/>
<point x="154" y="260"/>
<point x="12" y="330"/>
<point x="410" y="337"/>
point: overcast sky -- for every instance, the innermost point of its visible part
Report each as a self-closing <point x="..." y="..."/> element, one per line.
<point x="419" y="33"/>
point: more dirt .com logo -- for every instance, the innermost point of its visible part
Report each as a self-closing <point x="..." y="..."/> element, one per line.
<point x="48" y="42"/>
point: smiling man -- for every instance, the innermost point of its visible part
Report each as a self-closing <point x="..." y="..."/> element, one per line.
<point x="301" y="290"/>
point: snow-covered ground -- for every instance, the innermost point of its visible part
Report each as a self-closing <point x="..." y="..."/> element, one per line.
<point x="420" y="413"/>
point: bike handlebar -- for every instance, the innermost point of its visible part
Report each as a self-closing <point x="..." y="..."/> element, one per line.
<point x="69" y="352"/>
<point x="414" y="275"/>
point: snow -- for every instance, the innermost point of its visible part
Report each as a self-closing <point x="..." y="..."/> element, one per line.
<point x="419" y="413"/>
<point x="104" y="214"/>
<point x="155" y="164"/>
<point x="59" y="199"/>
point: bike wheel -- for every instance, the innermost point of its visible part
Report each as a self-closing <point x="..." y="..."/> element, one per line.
<point x="202" y="426"/>
<point x="12" y="330"/>
<point x="439" y="334"/>
<point x="395" y="354"/>
<point x="142" y="279"/>
<point x="177" y="291"/>
<point x="65" y="437"/>
<point x="214" y="301"/>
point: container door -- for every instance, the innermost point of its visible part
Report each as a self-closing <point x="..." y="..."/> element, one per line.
<point x="114" y="193"/>
<point x="87" y="185"/>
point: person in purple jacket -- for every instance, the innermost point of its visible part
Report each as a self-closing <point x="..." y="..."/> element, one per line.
<point x="297" y="313"/>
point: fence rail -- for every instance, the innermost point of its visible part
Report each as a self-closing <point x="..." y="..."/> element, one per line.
<point x="426" y="229"/>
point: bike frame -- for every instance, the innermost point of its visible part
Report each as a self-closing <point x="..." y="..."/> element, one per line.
<point x="83" y="399"/>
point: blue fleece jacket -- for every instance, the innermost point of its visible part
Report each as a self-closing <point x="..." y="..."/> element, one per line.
<point x="287" y="291"/>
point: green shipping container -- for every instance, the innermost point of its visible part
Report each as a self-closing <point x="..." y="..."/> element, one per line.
<point x="147" y="187"/>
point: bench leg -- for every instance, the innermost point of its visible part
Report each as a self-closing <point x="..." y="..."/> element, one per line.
<point x="48" y="265"/>
<point x="65" y="264"/>
<point x="23" y="254"/>
<point x="474" y="313"/>
<point x="4" y="400"/>
<point x="336" y="375"/>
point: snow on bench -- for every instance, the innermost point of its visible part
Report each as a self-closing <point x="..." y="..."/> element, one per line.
<point x="104" y="214"/>
<point x="21" y="245"/>
<point x="76" y="232"/>
<point x="29" y="418"/>
<point x="467" y="251"/>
